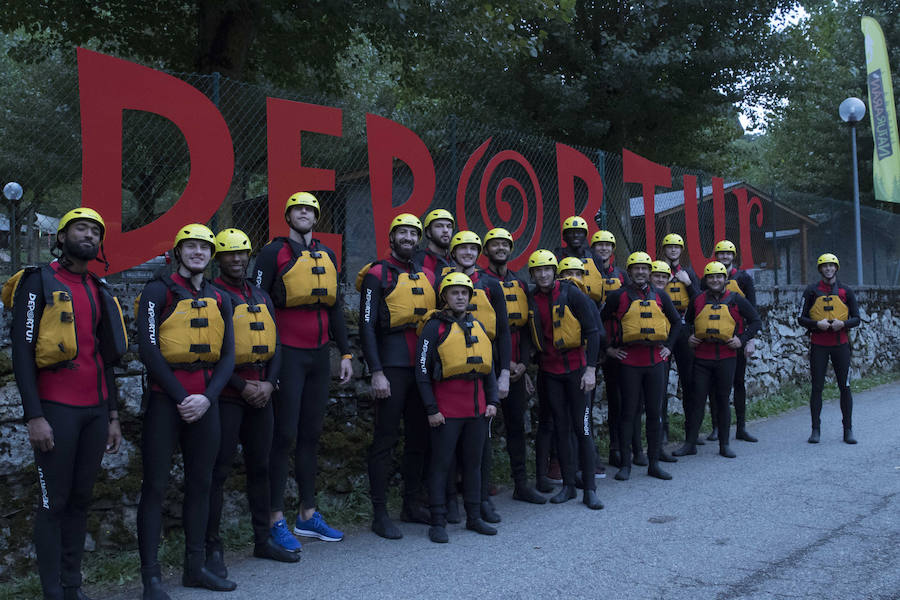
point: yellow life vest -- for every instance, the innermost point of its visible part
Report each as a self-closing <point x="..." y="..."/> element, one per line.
<point x="516" y="303"/>
<point x="609" y="284"/>
<point x="193" y="330"/>
<point x="407" y="299"/>
<point x="732" y="285"/>
<point x="57" y="342"/>
<point x="593" y="280"/>
<point x="309" y="279"/>
<point x="715" y="322"/>
<point x="828" y="306"/>
<point x="679" y="294"/>
<point x="644" y="321"/>
<point x="255" y="336"/>
<point x="481" y="309"/>
<point x="566" y="327"/>
<point x="464" y="351"/>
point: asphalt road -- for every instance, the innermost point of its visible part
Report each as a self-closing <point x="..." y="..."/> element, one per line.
<point x="785" y="519"/>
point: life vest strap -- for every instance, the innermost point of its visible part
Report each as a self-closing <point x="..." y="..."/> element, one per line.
<point x="417" y="291"/>
<point x="318" y="270"/>
<point x="67" y="317"/>
<point x="197" y="322"/>
<point x="257" y="326"/>
<point x="253" y="308"/>
<point x="260" y="349"/>
<point x="198" y="303"/>
<point x="200" y="348"/>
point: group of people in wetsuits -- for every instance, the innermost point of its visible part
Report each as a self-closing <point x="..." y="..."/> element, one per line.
<point x="448" y="343"/>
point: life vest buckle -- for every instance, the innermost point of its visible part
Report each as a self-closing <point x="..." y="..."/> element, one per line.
<point x="314" y="254"/>
<point x="646" y="315"/>
<point x="644" y="302"/>
<point x="417" y="291"/>
<point x="198" y="303"/>
<point x="318" y="270"/>
<point x="474" y="360"/>
<point x="260" y="349"/>
<point x="515" y="315"/>
<point x="648" y="330"/>
<point x="829" y="307"/>
<point x="511" y="297"/>
<point x="413" y="276"/>
<point x="319" y="292"/>
<point x="420" y="311"/>
<point x="254" y="308"/>
<point x="715" y="317"/>
<point x="200" y="348"/>
<point x="197" y="322"/>
<point x="257" y="326"/>
<point x="66" y="317"/>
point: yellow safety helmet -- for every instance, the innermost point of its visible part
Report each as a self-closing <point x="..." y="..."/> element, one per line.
<point x="542" y="258"/>
<point x="232" y="240"/>
<point x="408" y="220"/>
<point x="465" y="237"/>
<point x="439" y="213"/>
<point x="826" y="258"/>
<point x="570" y="262"/>
<point x="638" y="258"/>
<point x="196" y="231"/>
<point x="575" y="222"/>
<point x="725" y="246"/>
<point x="88" y="214"/>
<point x="302" y="199"/>
<point x="715" y="268"/>
<point x="660" y="266"/>
<point x="498" y="233"/>
<point x="456" y="278"/>
<point x="673" y="239"/>
<point x="603" y="236"/>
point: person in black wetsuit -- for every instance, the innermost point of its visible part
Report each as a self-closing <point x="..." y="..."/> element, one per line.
<point x="435" y="256"/>
<point x="66" y="335"/>
<point x="245" y="407"/>
<point x="829" y="310"/>
<point x="187" y="346"/>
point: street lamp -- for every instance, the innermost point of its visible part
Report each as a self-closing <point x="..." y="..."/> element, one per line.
<point x="852" y="111"/>
<point x="12" y="191"/>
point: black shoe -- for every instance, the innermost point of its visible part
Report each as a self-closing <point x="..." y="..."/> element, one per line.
<point x="741" y="434"/>
<point x="640" y="459"/>
<point x="848" y="436"/>
<point x="453" y="515"/>
<point x="215" y="561"/>
<point x="269" y="549"/>
<point x="655" y="471"/>
<point x="591" y="500"/>
<point x="713" y="435"/>
<point x="197" y="575"/>
<point x="615" y="458"/>
<point x="74" y="593"/>
<point x="415" y="513"/>
<point x="685" y="449"/>
<point x="528" y="494"/>
<point x="543" y="485"/>
<point x="624" y="474"/>
<point x="153" y="589"/>
<point x="666" y="457"/>
<point x="727" y="452"/>
<point x="489" y="512"/>
<point x="438" y="534"/>
<point x="814" y="436"/>
<point x="566" y="493"/>
<point x="384" y="527"/>
<point x="479" y="526"/>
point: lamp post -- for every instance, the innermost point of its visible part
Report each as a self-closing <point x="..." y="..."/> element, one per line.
<point x="12" y="191"/>
<point x="852" y="111"/>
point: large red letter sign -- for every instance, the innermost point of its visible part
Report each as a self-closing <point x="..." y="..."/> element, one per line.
<point x="692" y="218"/>
<point x="108" y="86"/>
<point x="570" y="163"/>
<point x="285" y="122"/>
<point x="744" y="208"/>
<point x="637" y="169"/>
<point x="388" y="140"/>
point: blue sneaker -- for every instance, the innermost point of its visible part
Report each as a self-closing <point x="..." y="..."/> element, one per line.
<point x="318" y="528"/>
<point x="282" y="536"/>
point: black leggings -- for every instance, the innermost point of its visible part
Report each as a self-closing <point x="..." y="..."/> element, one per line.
<point x="570" y="407"/>
<point x="513" y="407"/>
<point x="638" y="382"/>
<point x="740" y="393"/>
<point x="468" y="435"/>
<point x="404" y="402"/>
<point x="66" y="476"/>
<point x="163" y="430"/>
<point x="253" y="428"/>
<point x="818" y="365"/>
<point x="712" y="378"/>
<point x="299" y="406"/>
<point x="683" y="356"/>
<point x="612" y="382"/>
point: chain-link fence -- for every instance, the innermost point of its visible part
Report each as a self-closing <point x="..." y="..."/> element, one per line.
<point x="487" y="177"/>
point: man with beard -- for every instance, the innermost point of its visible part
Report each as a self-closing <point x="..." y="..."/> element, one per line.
<point x="738" y="282"/>
<point x="187" y="346"/>
<point x="681" y="286"/>
<point x="67" y="332"/>
<point x="646" y="326"/>
<point x="300" y="273"/>
<point x="722" y="322"/>
<point x="245" y="409"/>
<point x="829" y="310"/>
<point x="435" y="256"/>
<point x="396" y="294"/>
<point x="498" y="245"/>
<point x="562" y="319"/>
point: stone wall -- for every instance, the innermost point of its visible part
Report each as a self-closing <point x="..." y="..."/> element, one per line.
<point x="781" y="358"/>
